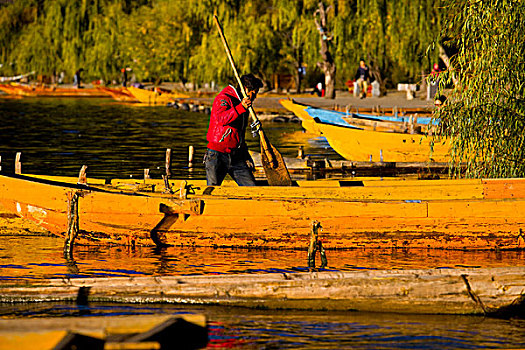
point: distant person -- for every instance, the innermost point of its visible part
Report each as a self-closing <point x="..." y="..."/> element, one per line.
<point x="77" y="79"/>
<point x="318" y="89"/>
<point x="124" y="77"/>
<point x="435" y="70"/>
<point x="362" y="77"/>
<point x="433" y="82"/>
<point x="440" y="100"/>
<point x="227" y="152"/>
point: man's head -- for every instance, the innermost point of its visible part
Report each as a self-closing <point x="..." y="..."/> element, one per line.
<point x="361" y="63"/>
<point x="251" y="84"/>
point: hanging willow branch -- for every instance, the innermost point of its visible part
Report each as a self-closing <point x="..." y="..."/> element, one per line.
<point x="484" y="113"/>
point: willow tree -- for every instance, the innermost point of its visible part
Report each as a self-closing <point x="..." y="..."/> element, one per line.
<point x="292" y="23"/>
<point x="61" y="37"/>
<point x="412" y="28"/>
<point x="327" y="63"/>
<point x="485" y="113"/>
<point x="253" y="42"/>
<point x="157" y="41"/>
<point x="14" y="18"/>
<point x="103" y="42"/>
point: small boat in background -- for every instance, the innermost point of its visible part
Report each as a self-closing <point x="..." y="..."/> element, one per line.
<point x="367" y="139"/>
<point x="397" y="123"/>
<point x="368" y="145"/>
<point x="118" y="94"/>
<point x="49" y="91"/>
<point x="156" y="96"/>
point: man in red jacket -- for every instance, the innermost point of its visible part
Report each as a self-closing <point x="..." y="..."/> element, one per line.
<point x="227" y="151"/>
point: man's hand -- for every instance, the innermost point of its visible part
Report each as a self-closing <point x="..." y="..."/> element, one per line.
<point x="246" y="102"/>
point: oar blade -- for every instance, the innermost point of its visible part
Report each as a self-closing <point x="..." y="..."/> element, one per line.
<point x="273" y="164"/>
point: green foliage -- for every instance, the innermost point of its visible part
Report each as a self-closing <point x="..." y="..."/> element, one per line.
<point x="485" y="112"/>
<point x="177" y="39"/>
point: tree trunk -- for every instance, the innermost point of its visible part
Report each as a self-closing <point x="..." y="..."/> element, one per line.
<point x="375" y="73"/>
<point x="327" y="65"/>
<point x="298" y="69"/>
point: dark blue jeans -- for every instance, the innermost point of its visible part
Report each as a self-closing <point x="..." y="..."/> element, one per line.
<point x="219" y="164"/>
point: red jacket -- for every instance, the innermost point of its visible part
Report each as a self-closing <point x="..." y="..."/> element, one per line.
<point x="227" y="122"/>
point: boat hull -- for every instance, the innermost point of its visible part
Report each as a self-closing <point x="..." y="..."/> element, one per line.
<point x="153" y="97"/>
<point x="41" y="91"/>
<point x="266" y="218"/>
<point x="364" y="145"/>
<point x="308" y="115"/>
<point x="118" y="94"/>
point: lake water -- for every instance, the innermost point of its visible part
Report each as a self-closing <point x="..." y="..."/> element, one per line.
<point x="58" y="136"/>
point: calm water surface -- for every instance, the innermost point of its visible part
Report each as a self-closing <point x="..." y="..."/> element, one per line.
<point x="58" y="136"/>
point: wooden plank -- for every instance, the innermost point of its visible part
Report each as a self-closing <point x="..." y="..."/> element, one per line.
<point x="442" y="291"/>
<point x="503" y="188"/>
<point x="31" y="340"/>
<point x="20" y="334"/>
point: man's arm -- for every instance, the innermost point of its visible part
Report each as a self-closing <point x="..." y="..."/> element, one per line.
<point x="227" y="113"/>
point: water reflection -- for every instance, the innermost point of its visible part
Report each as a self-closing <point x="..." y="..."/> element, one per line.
<point x="44" y="259"/>
<point x="57" y="136"/>
<point x="288" y="329"/>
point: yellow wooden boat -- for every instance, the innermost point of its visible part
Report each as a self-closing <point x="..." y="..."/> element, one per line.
<point x="366" y="140"/>
<point x="365" y="145"/>
<point x="307" y="121"/>
<point x="118" y="94"/>
<point x="450" y="214"/>
<point x="107" y="332"/>
<point x="155" y="96"/>
<point x="50" y="91"/>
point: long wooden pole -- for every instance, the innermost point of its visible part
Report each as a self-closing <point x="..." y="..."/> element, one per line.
<point x="272" y="161"/>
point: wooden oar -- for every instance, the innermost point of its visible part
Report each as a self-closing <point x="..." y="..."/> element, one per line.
<point x="272" y="161"/>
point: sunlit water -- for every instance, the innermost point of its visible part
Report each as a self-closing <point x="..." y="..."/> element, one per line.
<point x="58" y="136"/>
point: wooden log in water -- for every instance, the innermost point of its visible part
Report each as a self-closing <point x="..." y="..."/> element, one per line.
<point x="491" y="291"/>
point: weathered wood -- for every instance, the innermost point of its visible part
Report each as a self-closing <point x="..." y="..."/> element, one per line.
<point x="72" y="223"/>
<point x="18" y="163"/>
<point x="146" y="175"/>
<point x="168" y="163"/>
<point x="82" y="177"/>
<point x="438" y="291"/>
<point x="112" y="332"/>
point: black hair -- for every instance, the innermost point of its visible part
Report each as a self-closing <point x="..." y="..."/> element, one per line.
<point x="251" y="82"/>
